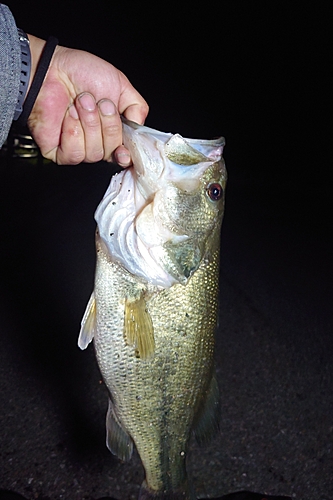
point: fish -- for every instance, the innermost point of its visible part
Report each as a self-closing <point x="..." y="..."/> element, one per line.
<point x="153" y="313"/>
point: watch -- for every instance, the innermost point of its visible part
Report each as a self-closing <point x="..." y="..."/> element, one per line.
<point x="25" y="71"/>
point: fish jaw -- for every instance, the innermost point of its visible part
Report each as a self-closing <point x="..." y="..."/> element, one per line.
<point x="160" y="157"/>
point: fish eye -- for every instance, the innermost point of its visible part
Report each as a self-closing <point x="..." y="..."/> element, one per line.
<point x="215" y="191"/>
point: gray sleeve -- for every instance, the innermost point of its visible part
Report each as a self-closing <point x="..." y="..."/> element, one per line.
<point x="10" y="70"/>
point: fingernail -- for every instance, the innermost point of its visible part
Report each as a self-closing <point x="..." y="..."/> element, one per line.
<point x="72" y="112"/>
<point x="123" y="159"/>
<point x="87" y="102"/>
<point x="107" y="107"/>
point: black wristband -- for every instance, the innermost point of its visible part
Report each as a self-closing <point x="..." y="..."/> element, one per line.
<point x="38" y="80"/>
<point x="25" y="72"/>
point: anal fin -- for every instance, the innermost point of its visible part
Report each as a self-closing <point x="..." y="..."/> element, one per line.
<point x="139" y="330"/>
<point x="207" y="419"/>
<point x="117" y="440"/>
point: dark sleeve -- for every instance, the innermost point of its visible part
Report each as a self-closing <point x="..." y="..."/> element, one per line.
<point x="10" y="70"/>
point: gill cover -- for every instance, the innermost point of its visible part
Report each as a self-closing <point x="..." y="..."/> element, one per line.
<point x="132" y="215"/>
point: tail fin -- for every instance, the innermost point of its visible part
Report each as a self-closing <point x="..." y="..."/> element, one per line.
<point x="186" y="493"/>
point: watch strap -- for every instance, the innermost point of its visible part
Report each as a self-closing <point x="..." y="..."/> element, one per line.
<point x="25" y="71"/>
<point x="37" y="82"/>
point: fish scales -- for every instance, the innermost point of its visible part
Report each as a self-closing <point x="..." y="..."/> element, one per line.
<point x="153" y="396"/>
<point x="159" y="392"/>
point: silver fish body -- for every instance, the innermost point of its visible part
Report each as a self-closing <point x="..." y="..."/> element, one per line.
<point x="153" y="311"/>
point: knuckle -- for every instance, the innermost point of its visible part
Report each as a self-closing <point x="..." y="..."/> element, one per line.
<point x="70" y="155"/>
<point x="112" y="130"/>
<point x="74" y="158"/>
<point x="92" y="122"/>
<point x="95" y="156"/>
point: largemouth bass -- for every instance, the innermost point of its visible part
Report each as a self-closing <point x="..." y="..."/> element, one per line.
<point x="153" y="312"/>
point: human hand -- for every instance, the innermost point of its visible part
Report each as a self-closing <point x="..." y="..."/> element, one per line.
<point x="76" y="116"/>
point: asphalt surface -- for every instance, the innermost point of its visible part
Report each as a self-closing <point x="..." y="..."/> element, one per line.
<point x="273" y="356"/>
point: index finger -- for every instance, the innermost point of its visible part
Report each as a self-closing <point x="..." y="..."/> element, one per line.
<point x="131" y="104"/>
<point x="136" y="113"/>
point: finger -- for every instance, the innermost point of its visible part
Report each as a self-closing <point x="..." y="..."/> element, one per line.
<point x="90" y="120"/>
<point x="111" y="127"/>
<point x="71" y="149"/>
<point x="136" y="113"/>
<point x="131" y="104"/>
<point x="122" y="157"/>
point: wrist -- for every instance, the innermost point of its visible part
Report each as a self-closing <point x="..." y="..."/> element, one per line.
<point x="25" y="71"/>
<point x="31" y="50"/>
<point x="41" y="55"/>
<point x="36" y="49"/>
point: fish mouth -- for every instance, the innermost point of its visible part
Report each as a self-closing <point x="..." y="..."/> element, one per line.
<point x="164" y="137"/>
<point x="161" y="156"/>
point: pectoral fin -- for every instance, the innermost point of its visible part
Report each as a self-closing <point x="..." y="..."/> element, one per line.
<point x="88" y="324"/>
<point x="207" y="420"/>
<point x="139" y="331"/>
<point x="182" y="259"/>
<point x="117" y="440"/>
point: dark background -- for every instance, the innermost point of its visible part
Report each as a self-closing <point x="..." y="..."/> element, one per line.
<point x="258" y="74"/>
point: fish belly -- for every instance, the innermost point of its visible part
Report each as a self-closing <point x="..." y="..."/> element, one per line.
<point x="156" y="400"/>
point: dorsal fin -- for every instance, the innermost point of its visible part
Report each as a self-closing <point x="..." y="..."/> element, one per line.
<point x="139" y="331"/>
<point x="179" y="151"/>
